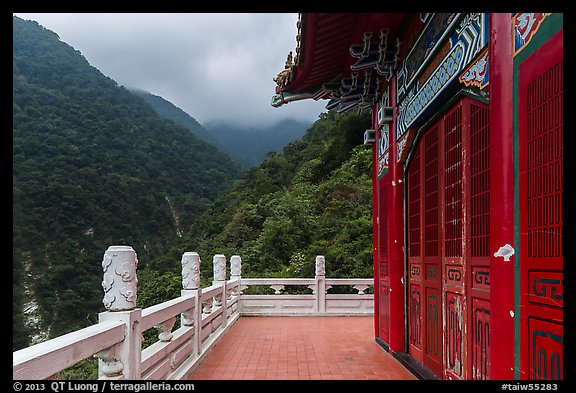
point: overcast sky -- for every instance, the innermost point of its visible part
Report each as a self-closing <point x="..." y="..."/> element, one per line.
<point x="213" y="66"/>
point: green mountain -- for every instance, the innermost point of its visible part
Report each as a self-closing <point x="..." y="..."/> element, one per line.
<point x="313" y="199"/>
<point x="170" y="111"/>
<point x="93" y="166"/>
<point x="249" y="145"/>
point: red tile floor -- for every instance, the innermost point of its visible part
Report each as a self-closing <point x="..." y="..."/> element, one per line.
<point x="302" y="348"/>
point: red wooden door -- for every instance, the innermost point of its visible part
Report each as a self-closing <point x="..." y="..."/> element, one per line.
<point x="432" y="270"/>
<point x="415" y="275"/>
<point x="453" y="257"/>
<point x="448" y="256"/>
<point x="478" y="240"/>
<point x="465" y="255"/>
<point x="425" y="272"/>
<point x="540" y="180"/>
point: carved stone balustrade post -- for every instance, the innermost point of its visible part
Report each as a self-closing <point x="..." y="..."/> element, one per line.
<point x="235" y="266"/>
<point x="320" y="283"/>
<point x="320" y="265"/>
<point x="191" y="287"/>
<point x="190" y="270"/>
<point x="219" y="265"/>
<point x="120" y="281"/>
<point x="120" y="293"/>
<point x="235" y="271"/>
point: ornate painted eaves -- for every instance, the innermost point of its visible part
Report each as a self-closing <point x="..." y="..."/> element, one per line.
<point x="477" y="73"/>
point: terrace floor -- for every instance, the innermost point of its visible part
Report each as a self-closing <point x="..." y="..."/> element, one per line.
<point x="301" y="348"/>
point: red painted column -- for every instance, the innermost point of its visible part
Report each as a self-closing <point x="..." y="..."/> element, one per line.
<point x="375" y="224"/>
<point x="395" y="201"/>
<point x="501" y="197"/>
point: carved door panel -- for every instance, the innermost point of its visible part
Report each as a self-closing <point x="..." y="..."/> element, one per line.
<point x="465" y="209"/>
<point x="384" y="291"/>
<point x="478" y="240"/>
<point x="415" y="274"/>
<point x="431" y="261"/>
<point x="425" y="273"/>
<point x="453" y="260"/>
<point x="540" y="179"/>
<point x="448" y="235"/>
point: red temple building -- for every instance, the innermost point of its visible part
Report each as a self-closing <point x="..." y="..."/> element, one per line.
<point x="467" y="142"/>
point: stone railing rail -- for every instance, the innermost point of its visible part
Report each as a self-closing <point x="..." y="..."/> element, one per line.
<point x="205" y="315"/>
<point x="320" y="302"/>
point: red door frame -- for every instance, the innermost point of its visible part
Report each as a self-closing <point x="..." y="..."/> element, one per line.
<point x="540" y="94"/>
<point x="502" y="199"/>
<point x="395" y="235"/>
<point x="375" y="231"/>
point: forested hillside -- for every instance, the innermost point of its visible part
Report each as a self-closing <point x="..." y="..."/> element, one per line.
<point x="168" y="110"/>
<point x="314" y="198"/>
<point x="93" y="166"/>
<point x="249" y="146"/>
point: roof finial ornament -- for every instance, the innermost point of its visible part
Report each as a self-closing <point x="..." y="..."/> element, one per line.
<point x="283" y="75"/>
<point x="289" y="62"/>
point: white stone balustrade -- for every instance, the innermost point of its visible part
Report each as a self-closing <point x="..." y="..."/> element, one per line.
<point x="318" y="303"/>
<point x="206" y="314"/>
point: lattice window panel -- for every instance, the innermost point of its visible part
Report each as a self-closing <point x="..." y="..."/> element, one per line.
<point x="544" y="163"/>
<point x="383" y="224"/>
<point x="479" y="182"/>
<point x="414" y="205"/>
<point x="431" y="195"/>
<point x="453" y="183"/>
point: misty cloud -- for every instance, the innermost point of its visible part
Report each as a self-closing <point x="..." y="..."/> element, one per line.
<point x="216" y="67"/>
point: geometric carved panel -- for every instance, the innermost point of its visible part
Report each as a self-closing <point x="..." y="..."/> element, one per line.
<point x="415" y="271"/>
<point x="454" y="275"/>
<point x="480" y="339"/>
<point x="481" y="278"/>
<point x="546" y="349"/>
<point x="546" y="288"/>
<point x="415" y="317"/>
<point x="454" y="326"/>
